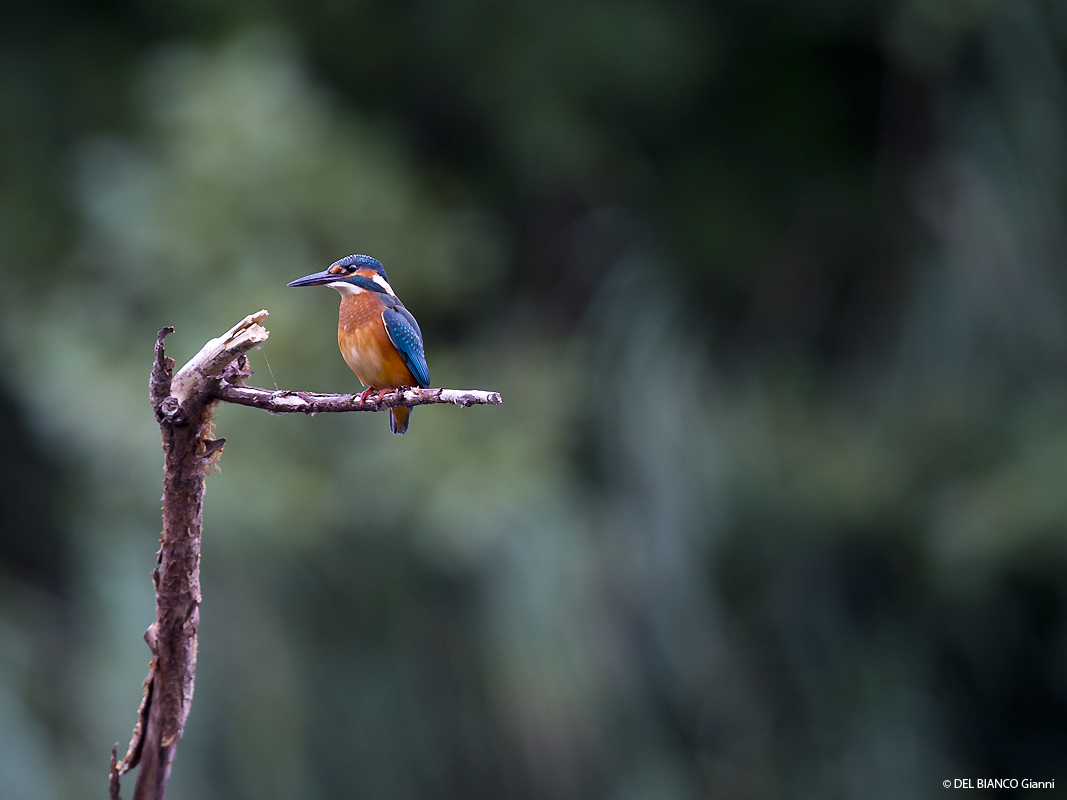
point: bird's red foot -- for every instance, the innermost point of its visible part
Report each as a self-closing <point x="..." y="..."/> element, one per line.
<point x="383" y="393"/>
<point x="365" y="394"/>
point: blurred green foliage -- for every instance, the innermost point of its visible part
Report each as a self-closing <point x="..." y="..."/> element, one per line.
<point x="773" y="291"/>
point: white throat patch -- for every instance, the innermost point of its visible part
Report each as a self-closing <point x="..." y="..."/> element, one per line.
<point x="345" y="288"/>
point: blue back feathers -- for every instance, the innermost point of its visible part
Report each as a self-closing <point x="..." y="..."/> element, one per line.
<point x="405" y="335"/>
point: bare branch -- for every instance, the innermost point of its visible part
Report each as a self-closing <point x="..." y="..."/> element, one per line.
<point x="313" y="403"/>
<point x="184" y="405"/>
<point x="162" y="371"/>
<point x="113" y="774"/>
<point x="133" y="752"/>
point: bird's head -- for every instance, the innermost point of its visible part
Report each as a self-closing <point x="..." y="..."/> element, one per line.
<point x="351" y="275"/>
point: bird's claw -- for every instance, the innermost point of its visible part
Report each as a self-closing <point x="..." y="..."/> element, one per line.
<point x="381" y="393"/>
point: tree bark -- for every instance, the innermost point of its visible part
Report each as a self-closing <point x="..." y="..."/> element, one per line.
<point x="172" y="637"/>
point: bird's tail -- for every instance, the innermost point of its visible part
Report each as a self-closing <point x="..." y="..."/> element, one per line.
<point x="398" y="419"/>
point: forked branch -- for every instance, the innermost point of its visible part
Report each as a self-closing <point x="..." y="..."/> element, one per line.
<point x="184" y="404"/>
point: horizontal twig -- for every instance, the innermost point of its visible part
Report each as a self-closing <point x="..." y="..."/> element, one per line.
<point x="314" y="403"/>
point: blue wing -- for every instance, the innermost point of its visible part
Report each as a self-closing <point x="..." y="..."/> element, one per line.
<point x="404" y="333"/>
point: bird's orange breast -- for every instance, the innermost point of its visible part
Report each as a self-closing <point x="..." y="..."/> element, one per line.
<point x="366" y="346"/>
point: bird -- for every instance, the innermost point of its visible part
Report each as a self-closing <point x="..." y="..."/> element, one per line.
<point x="379" y="338"/>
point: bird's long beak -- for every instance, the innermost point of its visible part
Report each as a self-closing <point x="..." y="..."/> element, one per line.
<point x="318" y="279"/>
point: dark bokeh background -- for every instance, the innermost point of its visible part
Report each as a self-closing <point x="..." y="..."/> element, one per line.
<point x="774" y="292"/>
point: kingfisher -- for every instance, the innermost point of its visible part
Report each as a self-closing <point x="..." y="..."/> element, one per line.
<point x="379" y="338"/>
